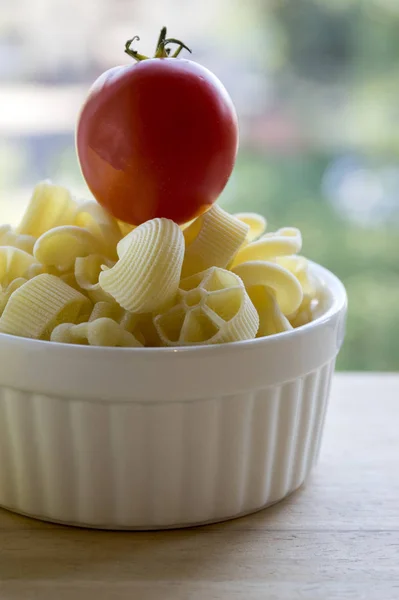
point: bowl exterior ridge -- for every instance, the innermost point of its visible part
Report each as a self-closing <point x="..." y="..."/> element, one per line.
<point x="151" y="466"/>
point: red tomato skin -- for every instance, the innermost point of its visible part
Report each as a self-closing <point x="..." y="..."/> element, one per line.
<point x="157" y="139"/>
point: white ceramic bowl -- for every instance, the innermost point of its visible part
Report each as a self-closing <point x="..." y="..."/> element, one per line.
<point x="158" y="438"/>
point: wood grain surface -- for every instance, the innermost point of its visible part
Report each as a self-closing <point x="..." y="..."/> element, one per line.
<point x="336" y="538"/>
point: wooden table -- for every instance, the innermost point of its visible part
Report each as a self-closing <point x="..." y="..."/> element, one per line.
<point x="336" y="538"/>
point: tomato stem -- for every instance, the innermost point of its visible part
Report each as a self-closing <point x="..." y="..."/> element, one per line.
<point x="161" y="50"/>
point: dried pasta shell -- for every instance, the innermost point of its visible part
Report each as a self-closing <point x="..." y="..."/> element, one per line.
<point x="147" y="275"/>
<point x="8" y="237"/>
<point x="286" y="286"/>
<point x="101" y="332"/>
<point x="213" y="308"/>
<point x="50" y="206"/>
<point x="212" y="240"/>
<point x="283" y="242"/>
<point x="271" y="319"/>
<point x="61" y="246"/>
<point x="87" y="272"/>
<point x="256" y="223"/>
<point x="39" y="305"/>
<point x="101" y="225"/>
<point x="14" y="263"/>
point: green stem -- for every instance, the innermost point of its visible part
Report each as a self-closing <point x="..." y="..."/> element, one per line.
<point x="161" y="50"/>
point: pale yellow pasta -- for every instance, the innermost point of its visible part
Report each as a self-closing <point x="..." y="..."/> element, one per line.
<point x="9" y="237"/>
<point x="39" y="305"/>
<point x="146" y="277"/>
<point x="100" y="332"/>
<point x="109" y="310"/>
<point x="87" y="271"/>
<point x="128" y="321"/>
<point x="256" y="223"/>
<point x="285" y="285"/>
<point x="61" y="246"/>
<point x="212" y="240"/>
<point x="6" y="291"/>
<point x="14" y="263"/>
<point x="50" y="206"/>
<point x="299" y="266"/>
<point x="125" y="228"/>
<point x="101" y="225"/>
<point x="271" y="319"/>
<point x="213" y="307"/>
<point x="283" y="242"/>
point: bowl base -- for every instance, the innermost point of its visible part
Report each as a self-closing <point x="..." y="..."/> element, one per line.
<point x="105" y="527"/>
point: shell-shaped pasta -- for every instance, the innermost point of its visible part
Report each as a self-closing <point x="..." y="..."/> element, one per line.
<point x="271" y="319"/>
<point x="283" y="242"/>
<point x="9" y="237"/>
<point x="101" y="225"/>
<point x="14" y="263"/>
<point x="100" y="332"/>
<point x="87" y="272"/>
<point x="212" y="240"/>
<point x="213" y="308"/>
<point x="39" y="305"/>
<point x="50" y="206"/>
<point x="285" y="285"/>
<point x="146" y="277"/>
<point x="299" y="266"/>
<point x="256" y="223"/>
<point x="61" y="246"/>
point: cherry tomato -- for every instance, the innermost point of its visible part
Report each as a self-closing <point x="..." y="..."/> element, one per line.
<point x="158" y="138"/>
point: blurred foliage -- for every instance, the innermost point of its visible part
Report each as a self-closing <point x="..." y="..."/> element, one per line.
<point x="286" y="192"/>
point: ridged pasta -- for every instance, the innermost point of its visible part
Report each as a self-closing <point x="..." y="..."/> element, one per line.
<point x="213" y="308"/>
<point x="212" y="240"/>
<point x="87" y="272"/>
<point x="39" y="305"/>
<point x="100" y="332"/>
<point x="61" y="246"/>
<point x="9" y="237"/>
<point x="271" y="319"/>
<point x="256" y="223"/>
<point x="146" y="277"/>
<point x="283" y="242"/>
<point x="50" y="206"/>
<point x="285" y="285"/>
<point x="101" y="225"/>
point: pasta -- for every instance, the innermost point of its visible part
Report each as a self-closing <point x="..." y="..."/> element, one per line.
<point x="14" y="263"/>
<point x="213" y="307"/>
<point x="100" y="332"/>
<point x="39" y="305"/>
<point x="146" y="277"/>
<point x="87" y="272"/>
<point x="212" y="240"/>
<point x="283" y="242"/>
<point x="256" y="223"/>
<point x="61" y="246"/>
<point x="286" y="286"/>
<point x="9" y="237"/>
<point x="49" y="207"/>
<point x="101" y="225"/>
<point x="271" y="319"/>
<point x="72" y="273"/>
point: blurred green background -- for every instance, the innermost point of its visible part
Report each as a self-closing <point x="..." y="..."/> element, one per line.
<point x="316" y="86"/>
